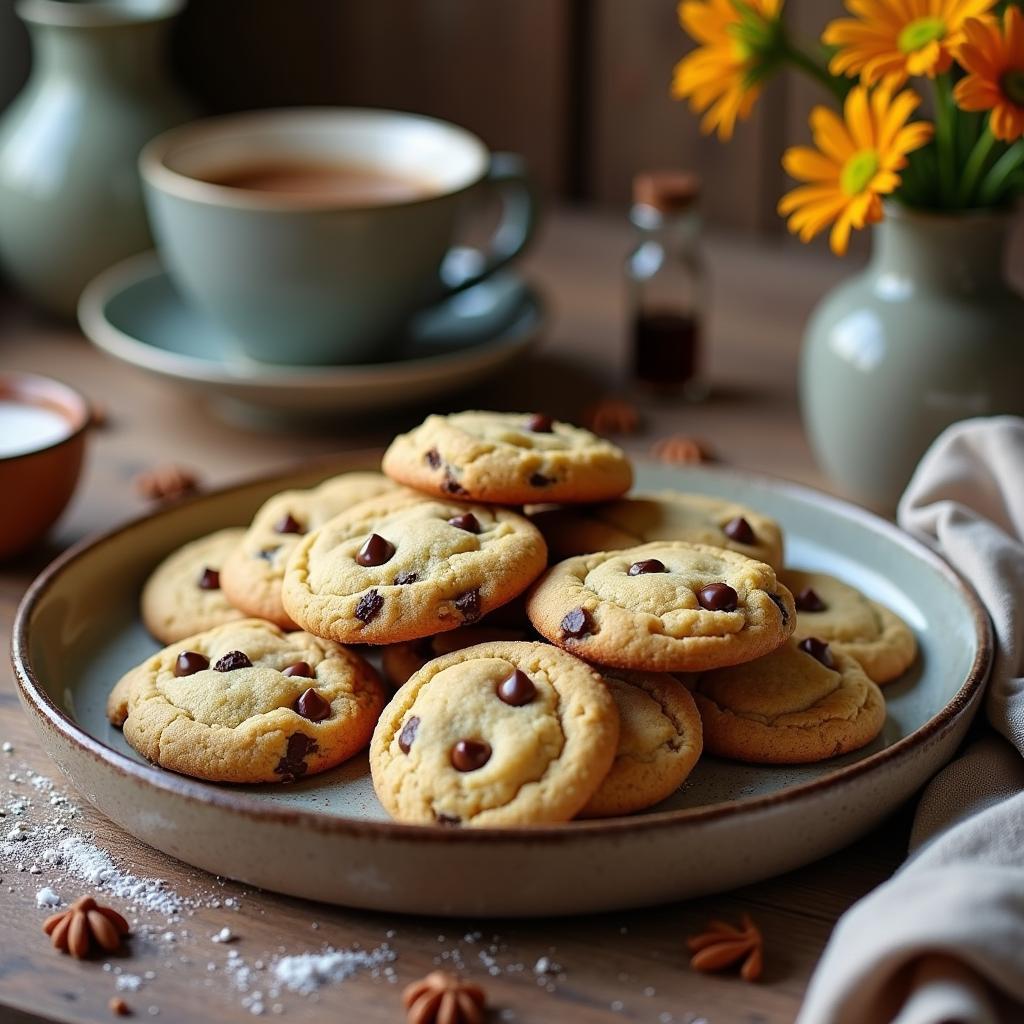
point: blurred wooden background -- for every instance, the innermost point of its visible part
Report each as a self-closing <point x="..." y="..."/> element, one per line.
<point x="581" y="87"/>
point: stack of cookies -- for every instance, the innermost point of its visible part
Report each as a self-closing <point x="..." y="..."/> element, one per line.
<point x="556" y="650"/>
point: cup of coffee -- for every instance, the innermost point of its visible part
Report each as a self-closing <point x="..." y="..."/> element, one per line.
<point x="313" y="235"/>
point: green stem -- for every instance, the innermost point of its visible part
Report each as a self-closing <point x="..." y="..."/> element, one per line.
<point x="799" y="58"/>
<point x="1001" y="172"/>
<point x="974" y="166"/>
<point x="944" y="141"/>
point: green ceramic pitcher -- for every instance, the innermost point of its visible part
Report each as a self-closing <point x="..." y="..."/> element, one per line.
<point x="930" y="332"/>
<point x="70" y="196"/>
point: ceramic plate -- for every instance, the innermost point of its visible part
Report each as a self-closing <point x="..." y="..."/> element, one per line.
<point x="133" y="313"/>
<point x="327" y="838"/>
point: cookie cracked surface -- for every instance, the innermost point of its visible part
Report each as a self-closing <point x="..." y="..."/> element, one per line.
<point x="219" y="706"/>
<point x="507" y="458"/>
<point x="252" y="575"/>
<point x="431" y="569"/>
<point x="659" y="742"/>
<point x="841" y="615"/>
<point x="788" y="708"/>
<point x="183" y="595"/>
<point x="449" y="749"/>
<point x="641" y="608"/>
<point x="664" y="515"/>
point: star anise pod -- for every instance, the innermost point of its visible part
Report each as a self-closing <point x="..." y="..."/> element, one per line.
<point x="612" y="416"/>
<point x="166" y="483"/>
<point x="721" y="945"/>
<point x="442" y="998"/>
<point x="84" y="926"/>
<point x="681" y="450"/>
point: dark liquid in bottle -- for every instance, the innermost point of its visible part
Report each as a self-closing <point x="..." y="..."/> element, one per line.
<point x="665" y="348"/>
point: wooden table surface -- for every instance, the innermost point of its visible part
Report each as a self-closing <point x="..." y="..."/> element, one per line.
<point x="623" y="966"/>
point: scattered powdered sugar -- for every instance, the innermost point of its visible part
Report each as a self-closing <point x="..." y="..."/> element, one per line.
<point x="80" y="859"/>
<point x="46" y="897"/>
<point x="306" y="972"/>
<point x="128" y="983"/>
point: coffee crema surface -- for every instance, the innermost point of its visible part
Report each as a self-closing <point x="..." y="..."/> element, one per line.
<point x="346" y="184"/>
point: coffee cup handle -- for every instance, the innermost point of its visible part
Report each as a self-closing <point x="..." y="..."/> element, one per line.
<point x="464" y="266"/>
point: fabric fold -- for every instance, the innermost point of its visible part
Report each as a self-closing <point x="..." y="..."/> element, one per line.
<point x="943" y="940"/>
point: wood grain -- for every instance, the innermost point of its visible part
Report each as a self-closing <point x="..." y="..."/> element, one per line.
<point x="761" y="295"/>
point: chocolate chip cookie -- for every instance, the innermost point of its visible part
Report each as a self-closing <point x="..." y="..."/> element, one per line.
<point x="507" y="459"/>
<point x="497" y="734"/>
<point x="659" y="743"/>
<point x="665" y="515"/>
<point x="405" y="566"/>
<point x="399" y="661"/>
<point x="251" y="576"/>
<point x="183" y="595"/>
<point x="246" y="702"/>
<point x="840" y="614"/>
<point x="804" y="702"/>
<point x="666" y="606"/>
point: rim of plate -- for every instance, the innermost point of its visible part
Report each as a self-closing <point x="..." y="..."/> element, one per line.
<point x="278" y="376"/>
<point x="221" y="797"/>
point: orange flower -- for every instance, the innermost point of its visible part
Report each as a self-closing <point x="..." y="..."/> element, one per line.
<point x="855" y="163"/>
<point x="895" y="39"/>
<point x="995" y="62"/>
<point x="722" y="77"/>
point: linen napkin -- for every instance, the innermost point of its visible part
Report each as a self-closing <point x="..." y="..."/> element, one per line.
<point x="942" y="942"/>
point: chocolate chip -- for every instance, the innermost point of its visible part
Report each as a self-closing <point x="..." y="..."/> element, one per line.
<point x="293" y="764"/>
<point x="408" y="734"/>
<point x="209" y="580"/>
<point x="740" y="530"/>
<point x="300" y="669"/>
<point x="540" y="480"/>
<point x="433" y="458"/>
<point x="406" y="577"/>
<point x="809" y="601"/>
<point x="447" y="819"/>
<point x="777" y="601"/>
<point x="517" y="689"/>
<point x="288" y="524"/>
<point x="267" y="554"/>
<point x="538" y="423"/>
<point x="312" y="706"/>
<point x="718" y="597"/>
<point x="466" y="521"/>
<point x="819" y="650"/>
<point x="231" y="661"/>
<point x="375" y="550"/>
<point x="469" y="755"/>
<point x="190" y="662"/>
<point x="649" y="565"/>
<point x="577" y="623"/>
<point x="450" y="485"/>
<point x="469" y="604"/>
<point x="369" y="606"/>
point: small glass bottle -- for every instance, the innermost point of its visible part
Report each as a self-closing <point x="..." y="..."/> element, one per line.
<point x="666" y="285"/>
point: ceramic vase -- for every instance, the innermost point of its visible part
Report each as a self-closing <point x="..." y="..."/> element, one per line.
<point x="70" y="196"/>
<point x="930" y="332"/>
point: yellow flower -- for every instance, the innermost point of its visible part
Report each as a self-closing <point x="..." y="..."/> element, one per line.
<point x="856" y="162"/>
<point x="723" y="76"/>
<point x="895" y="39"/>
<point x="995" y="62"/>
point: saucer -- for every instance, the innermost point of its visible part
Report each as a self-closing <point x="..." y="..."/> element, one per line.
<point x="133" y="312"/>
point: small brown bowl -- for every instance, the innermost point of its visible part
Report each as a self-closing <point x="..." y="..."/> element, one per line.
<point x="38" y="484"/>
